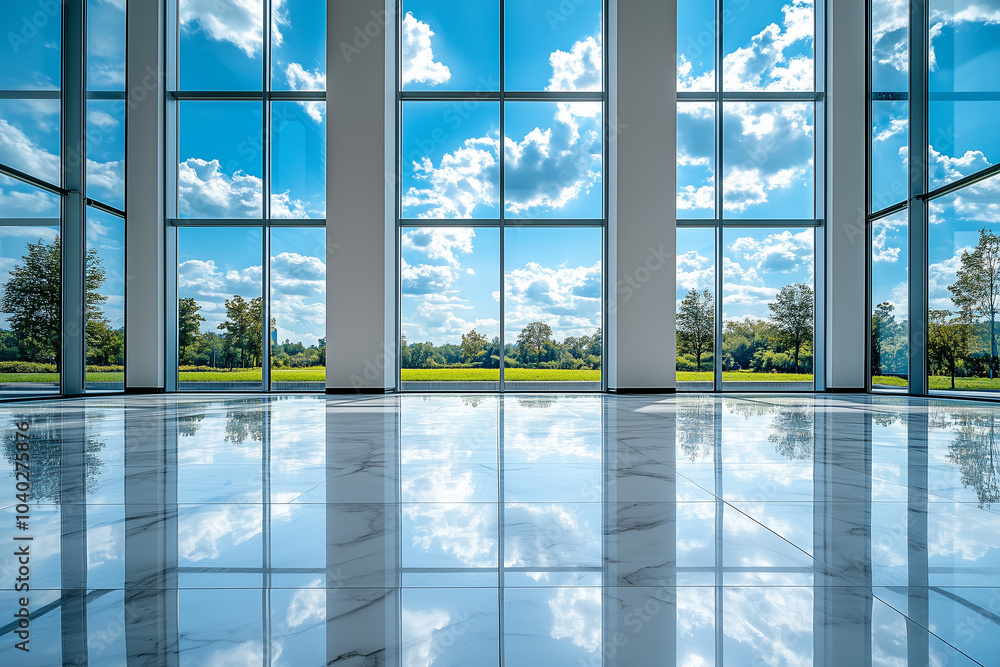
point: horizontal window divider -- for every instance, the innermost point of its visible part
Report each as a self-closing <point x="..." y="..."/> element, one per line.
<point x="182" y="95"/>
<point x="251" y="95"/>
<point x="961" y="183"/>
<point x="981" y="96"/>
<point x="887" y="211"/>
<point x="750" y="96"/>
<point x="763" y="222"/>
<point x="30" y="95"/>
<point x="19" y="175"/>
<point x="298" y="95"/>
<point x="495" y="96"/>
<point x="106" y="95"/>
<point x="29" y="222"/>
<point x="890" y="96"/>
<point x="450" y="222"/>
<point x="252" y="222"/>
<point x="554" y="222"/>
<point x="93" y="203"/>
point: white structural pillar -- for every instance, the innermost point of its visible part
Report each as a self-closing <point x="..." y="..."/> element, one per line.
<point x="643" y="220"/>
<point x="845" y="247"/>
<point x="360" y="217"/>
<point x="145" y="320"/>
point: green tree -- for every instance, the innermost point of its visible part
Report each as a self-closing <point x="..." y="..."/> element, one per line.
<point x="189" y="326"/>
<point x="976" y="291"/>
<point x="243" y="331"/>
<point x="696" y="324"/>
<point x="32" y="296"/>
<point x="976" y="450"/>
<point x="473" y="345"/>
<point x="531" y="341"/>
<point x="792" y="314"/>
<point x="947" y="341"/>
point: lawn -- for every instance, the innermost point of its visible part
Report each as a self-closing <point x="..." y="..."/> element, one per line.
<point x="493" y="375"/>
<point x="743" y="376"/>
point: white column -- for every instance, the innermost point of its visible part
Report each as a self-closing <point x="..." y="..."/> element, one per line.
<point x="644" y="219"/>
<point x="360" y="295"/>
<point x="144" y="199"/>
<point x="846" y="282"/>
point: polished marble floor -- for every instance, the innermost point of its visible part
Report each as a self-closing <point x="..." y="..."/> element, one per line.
<point x="478" y="530"/>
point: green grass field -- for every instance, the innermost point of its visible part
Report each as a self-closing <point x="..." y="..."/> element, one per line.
<point x="493" y="375"/>
<point x="743" y="376"/>
<point x="940" y="383"/>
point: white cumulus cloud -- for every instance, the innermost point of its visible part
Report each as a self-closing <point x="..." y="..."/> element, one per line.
<point x="419" y="65"/>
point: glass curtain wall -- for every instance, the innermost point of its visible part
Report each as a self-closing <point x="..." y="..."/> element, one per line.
<point x="502" y="205"/>
<point x="247" y="115"/>
<point x="749" y="199"/>
<point x="62" y="198"/>
<point x="934" y="253"/>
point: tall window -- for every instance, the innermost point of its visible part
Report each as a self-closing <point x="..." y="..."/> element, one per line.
<point x="502" y="203"/>
<point x="62" y="171"/>
<point x="935" y="253"/>
<point x="248" y="207"/>
<point x="748" y="203"/>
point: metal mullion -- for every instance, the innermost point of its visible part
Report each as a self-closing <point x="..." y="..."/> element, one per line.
<point x="719" y="207"/>
<point x="503" y="240"/>
<point x="265" y="354"/>
<point x="295" y="222"/>
<point x="18" y="175"/>
<point x="554" y="222"/>
<point x="111" y="210"/>
<point x="889" y="210"/>
<point x="113" y="95"/>
<point x="454" y="222"/>
<point x="917" y="221"/>
<point x="297" y="95"/>
<point x="554" y="96"/>
<point x="30" y="94"/>
<point x="766" y="223"/>
<point x="29" y="222"/>
<point x="972" y="179"/>
<point x="214" y="95"/>
<point x="254" y="223"/>
<point x="772" y="96"/>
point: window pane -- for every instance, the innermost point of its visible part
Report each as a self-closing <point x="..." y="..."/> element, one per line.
<point x="695" y="309"/>
<point x="29" y="137"/>
<point x="219" y="308"/>
<point x="106" y="152"/>
<point x="554" y="160"/>
<point x="30" y="298"/>
<point x="105" y="301"/>
<point x="221" y="45"/>
<point x="768" y="153"/>
<point x="889" y="298"/>
<point x="219" y="175"/>
<point x="105" y="45"/>
<point x="30" y="55"/>
<point x="553" y="296"/>
<point x="695" y="160"/>
<point x="768" y="45"/>
<point x="768" y="309"/>
<point x="890" y="153"/>
<point x="696" y="46"/>
<point x="298" y="160"/>
<point x="298" y="309"/>
<point x="558" y="47"/>
<point x="298" y="45"/>
<point x="965" y="48"/>
<point x="441" y="51"/>
<point x="964" y="255"/>
<point x="450" y="160"/>
<point x="450" y="306"/>
<point x="890" y="46"/>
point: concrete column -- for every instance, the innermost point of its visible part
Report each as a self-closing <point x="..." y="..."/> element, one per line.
<point x="360" y="293"/>
<point x="845" y="154"/>
<point x="643" y="180"/>
<point x="145" y="321"/>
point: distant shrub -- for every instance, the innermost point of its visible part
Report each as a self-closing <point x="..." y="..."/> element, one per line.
<point x="26" y="367"/>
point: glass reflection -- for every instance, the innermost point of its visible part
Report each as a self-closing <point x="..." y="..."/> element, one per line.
<point x="483" y="529"/>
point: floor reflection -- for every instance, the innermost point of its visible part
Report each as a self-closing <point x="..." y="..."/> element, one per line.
<point x="525" y="530"/>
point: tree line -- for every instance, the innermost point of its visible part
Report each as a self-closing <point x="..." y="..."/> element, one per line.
<point x="781" y="344"/>
<point x="534" y="348"/>
<point x="239" y="345"/>
<point x="32" y="300"/>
